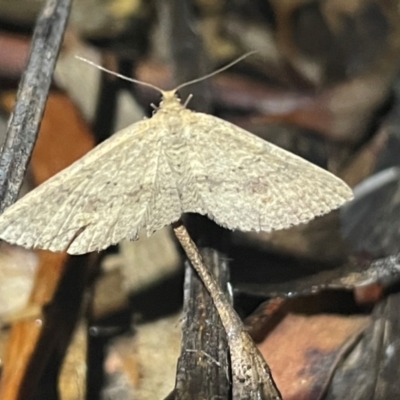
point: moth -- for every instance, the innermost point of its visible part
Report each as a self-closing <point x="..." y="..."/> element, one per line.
<point x="150" y="173"/>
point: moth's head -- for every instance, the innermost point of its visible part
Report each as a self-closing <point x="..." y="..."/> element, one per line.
<point x="170" y="99"/>
<point x="170" y="95"/>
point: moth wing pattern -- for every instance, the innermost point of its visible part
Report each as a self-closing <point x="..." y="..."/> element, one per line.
<point x="148" y="174"/>
<point x="107" y="195"/>
<point x="249" y="184"/>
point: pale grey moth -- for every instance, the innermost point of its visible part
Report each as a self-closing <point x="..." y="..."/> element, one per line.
<point x="150" y="173"/>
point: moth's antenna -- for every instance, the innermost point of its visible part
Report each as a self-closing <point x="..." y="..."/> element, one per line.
<point x="157" y="88"/>
<point x="119" y="75"/>
<point x="215" y="72"/>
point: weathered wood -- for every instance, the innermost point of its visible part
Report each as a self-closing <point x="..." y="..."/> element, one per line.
<point x="188" y="58"/>
<point x="31" y="99"/>
<point x="203" y="366"/>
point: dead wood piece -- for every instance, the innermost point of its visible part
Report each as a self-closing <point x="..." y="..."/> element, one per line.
<point x="203" y="366"/>
<point x="354" y="273"/>
<point x="251" y="376"/>
<point x="32" y="94"/>
<point x="187" y="53"/>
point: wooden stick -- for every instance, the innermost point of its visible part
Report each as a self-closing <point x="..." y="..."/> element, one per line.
<point x="251" y="376"/>
<point x="25" y="120"/>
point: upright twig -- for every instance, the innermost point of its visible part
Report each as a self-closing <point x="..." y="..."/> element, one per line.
<point x="31" y="99"/>
<point x="188" y="58"/>
<point x="203" y="366"/>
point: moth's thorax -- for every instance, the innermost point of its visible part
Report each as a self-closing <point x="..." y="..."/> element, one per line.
<point x="172" y="113"/>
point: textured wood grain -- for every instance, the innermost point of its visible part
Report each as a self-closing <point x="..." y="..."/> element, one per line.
<point x="251" y="376"/>
<point x="151" y="172"/>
